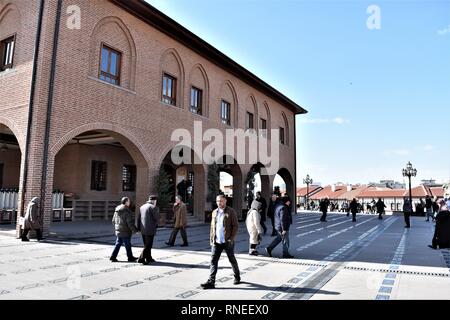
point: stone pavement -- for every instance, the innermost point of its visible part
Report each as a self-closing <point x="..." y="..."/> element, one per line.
<point x="369" y="260"/>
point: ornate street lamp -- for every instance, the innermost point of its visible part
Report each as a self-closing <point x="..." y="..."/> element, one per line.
<point x="409" y="172"/>
<point x="307" y="181"/>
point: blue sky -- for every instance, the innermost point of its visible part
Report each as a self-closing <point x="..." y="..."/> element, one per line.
<point x="376" y="98"/>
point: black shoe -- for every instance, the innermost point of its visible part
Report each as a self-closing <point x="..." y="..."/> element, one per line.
<point x="435" y="248"/>
<point x="407" y="227"/>
<point x="254" y="253"/>
<point x="113" y="259"/>
<point x="25" y="239"/>
<point x="237" y="281"/>
<point x="185" y="245"/>
<point x="151" y="260"/>
<point x="269" y="251"/>
<point x="141" y="261"/>
<point x="169" y="244"/>
<point x="288" y="257"/>
<point x="208" y="285"/>
<point x="133" y="259"/>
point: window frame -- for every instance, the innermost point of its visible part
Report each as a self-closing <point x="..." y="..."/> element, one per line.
<point x="118" y="66"/>
<point x="198" y="109"/>
<point x="131" y="184"/>
<point x="249" y="115"/>
<point x="98" y="185"/>
<point x="282" y="136"/>
<point x="171" y="100"/>
<point x="12" y="38"/>
<point x="263" y="128"/>
<point x="223" y="120"/>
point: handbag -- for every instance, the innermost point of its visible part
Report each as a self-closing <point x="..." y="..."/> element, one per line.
<point x="21" y="221"/>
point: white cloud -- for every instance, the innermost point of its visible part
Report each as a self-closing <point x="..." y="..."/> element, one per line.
<point x="444" y="31"/>
<point x="428" y="147"/>
<point x="337" y="120"/>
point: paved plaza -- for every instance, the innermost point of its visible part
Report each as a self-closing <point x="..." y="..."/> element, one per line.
<point x="369" y="259"/>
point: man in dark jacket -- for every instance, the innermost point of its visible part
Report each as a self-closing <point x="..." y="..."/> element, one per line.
<point x="324" y="203"/>
<point x="354" y="205"/>
<point x="441" y="237"/>
<point x="262" y="212"/>
<point x="380" y="208"/>
<point x="223" y="232"/>
<point x="147" y="223"/>
<point x="32" y="220"/>
<point x="124" y="227"/>
<point x="283" y="221"/>
<point x="271" y="211"/>
<point x="407" y="211"/>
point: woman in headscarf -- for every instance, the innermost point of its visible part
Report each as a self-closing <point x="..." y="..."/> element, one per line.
<point x="32" y="220"/>
<point x="254" y="227"/>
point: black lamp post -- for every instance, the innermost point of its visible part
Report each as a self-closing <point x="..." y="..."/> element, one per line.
<point x="307" y="181"/>
<point x="409" y="172"/>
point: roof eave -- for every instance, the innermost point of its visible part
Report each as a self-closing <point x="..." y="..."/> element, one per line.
<point x="173" y="29"/>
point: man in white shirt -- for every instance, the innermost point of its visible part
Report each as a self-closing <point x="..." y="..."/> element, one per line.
<point x="224" y="228"/>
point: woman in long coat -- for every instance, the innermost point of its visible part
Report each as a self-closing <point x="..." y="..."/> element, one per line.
<point x="32" y="220"/>
<point x="254" y="227"/>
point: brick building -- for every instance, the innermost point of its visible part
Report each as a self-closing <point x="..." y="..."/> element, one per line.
<point x="90" y="109"/>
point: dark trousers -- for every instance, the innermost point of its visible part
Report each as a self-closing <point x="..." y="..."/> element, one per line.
<point x="284" y="239"/>
<point x="324" y="216"/>
<point x="407" y="215"/>
<point x="380" y="215"/>
<point x="127" y="243"/>
<point x="216" y="251"/>
<point x="354" y="217"/>
<point x="147" y="252"/>
<point x="263" y="225"/>
<point x="38" y="233"/>
<point x="173" y="236"/>
<point x="274" y="232"/>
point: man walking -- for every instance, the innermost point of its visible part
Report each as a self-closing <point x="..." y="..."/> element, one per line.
<point x="354" y="209"/>
<point x="179" y="211"/>
<point x="271" y="211"/>
<point x="283" y="221"/>
<point x="407" y="210"/>
<point x="32" y="220"/>
<point x="262" y="212"/>
<point x="224" y="228"/>
<point x="124" y="226"/>
<point x="147" y="223"/>
<point x="380" y="208"/>
<point x="324" y="203"/>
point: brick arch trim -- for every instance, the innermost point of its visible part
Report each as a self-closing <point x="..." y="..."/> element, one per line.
<point x="230" y="86"/>
<point x="16" y="131"/>
<point x="206" y="79"/>
<point x="139" y="154"/>
<point x="131" y="44"/>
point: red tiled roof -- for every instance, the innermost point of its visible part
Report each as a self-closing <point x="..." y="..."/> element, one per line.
<point x="301" y="192"/>
<point x="374" y="192"/>
<point x="328" y="192"/>
<point x="354" y="193"/>
<point x="437" y="192"/>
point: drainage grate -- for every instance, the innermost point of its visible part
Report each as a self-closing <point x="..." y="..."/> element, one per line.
<point x="418" y="273"/>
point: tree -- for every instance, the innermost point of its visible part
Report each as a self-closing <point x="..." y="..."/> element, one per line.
<point x="213" y="184"/>
<point x="163" y="188"/>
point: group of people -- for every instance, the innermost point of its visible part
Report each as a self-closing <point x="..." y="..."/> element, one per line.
<point x="146" y="223"/>
<point x="354" y="207"/>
